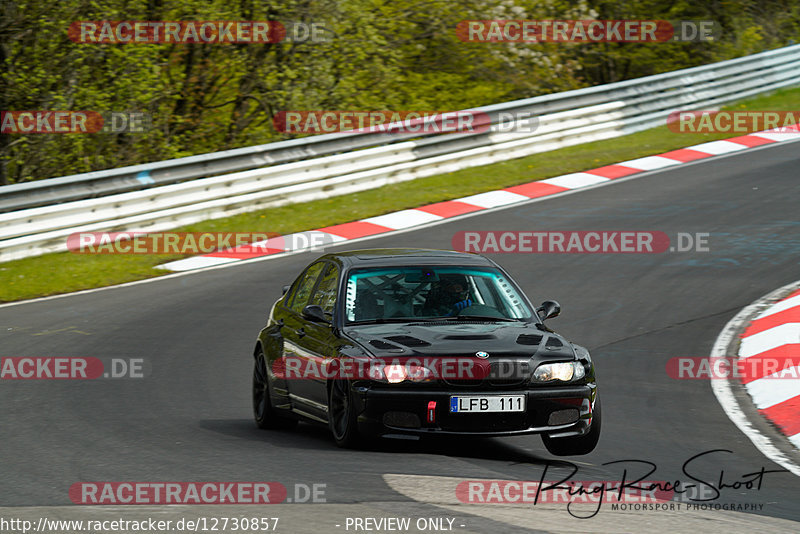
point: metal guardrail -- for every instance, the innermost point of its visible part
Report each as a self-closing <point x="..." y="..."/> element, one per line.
<point x="167" y="194"/>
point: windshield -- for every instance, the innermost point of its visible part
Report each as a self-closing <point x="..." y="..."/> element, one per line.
<point x="420" y="293"/>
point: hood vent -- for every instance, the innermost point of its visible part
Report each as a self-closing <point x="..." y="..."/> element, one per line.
<point x="529" y="339"/>
<point x="554" y="343"/>
<point x="378" y="344"/>
<point x="470" y="336"/>
<point x="408" y="341"/>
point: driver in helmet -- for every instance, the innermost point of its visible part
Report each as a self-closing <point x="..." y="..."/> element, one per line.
<point x="448" y="296"/>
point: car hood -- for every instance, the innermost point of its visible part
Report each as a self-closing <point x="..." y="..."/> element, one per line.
<point x="449" y="339"/>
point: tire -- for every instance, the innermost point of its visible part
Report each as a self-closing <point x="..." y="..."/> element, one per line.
<point x="263" y="412"/>
<point x="342" y="417"/>
<point x="577" y="445"/>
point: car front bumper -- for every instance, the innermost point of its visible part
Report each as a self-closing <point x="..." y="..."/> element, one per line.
<point x="557" y="411"/>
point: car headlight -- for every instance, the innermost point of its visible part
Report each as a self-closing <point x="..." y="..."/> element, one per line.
<point x="396" y="373"/>
<point x="564" y="371"/>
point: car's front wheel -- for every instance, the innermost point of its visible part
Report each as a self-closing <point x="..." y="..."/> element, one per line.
<point x="263" y="412"/>
<point x="342" y="415"/>
<point x="577" y="445"/>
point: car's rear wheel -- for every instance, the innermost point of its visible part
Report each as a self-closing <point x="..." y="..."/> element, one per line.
<point x="263" y="412"/>
<point x="342" y="415"/>
<point x="577" y="445"/>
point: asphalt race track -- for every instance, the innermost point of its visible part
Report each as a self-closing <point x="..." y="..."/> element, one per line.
<point x="190" y="418"/>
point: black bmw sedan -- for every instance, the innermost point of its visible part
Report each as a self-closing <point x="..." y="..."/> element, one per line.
<point x="407" y="341"/>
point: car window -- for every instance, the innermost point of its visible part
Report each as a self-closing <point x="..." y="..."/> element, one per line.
<point x="325" y="293"/>
<point x="303" y="292"/>
<point x="431" y="292"/>
<point x="486" y="291"/>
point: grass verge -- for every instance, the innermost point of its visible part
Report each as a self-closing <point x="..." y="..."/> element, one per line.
<point x="65" y="272"/>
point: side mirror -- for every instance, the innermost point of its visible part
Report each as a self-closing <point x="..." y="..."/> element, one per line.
<point x="285" y="289"/>
<point x="549" y="309"/>
<point x="313" y="312"/>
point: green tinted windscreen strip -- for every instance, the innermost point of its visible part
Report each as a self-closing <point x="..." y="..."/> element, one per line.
<point x="366" y="273"/>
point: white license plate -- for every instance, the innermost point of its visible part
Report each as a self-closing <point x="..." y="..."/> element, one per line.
<point x="487" y="403"/>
